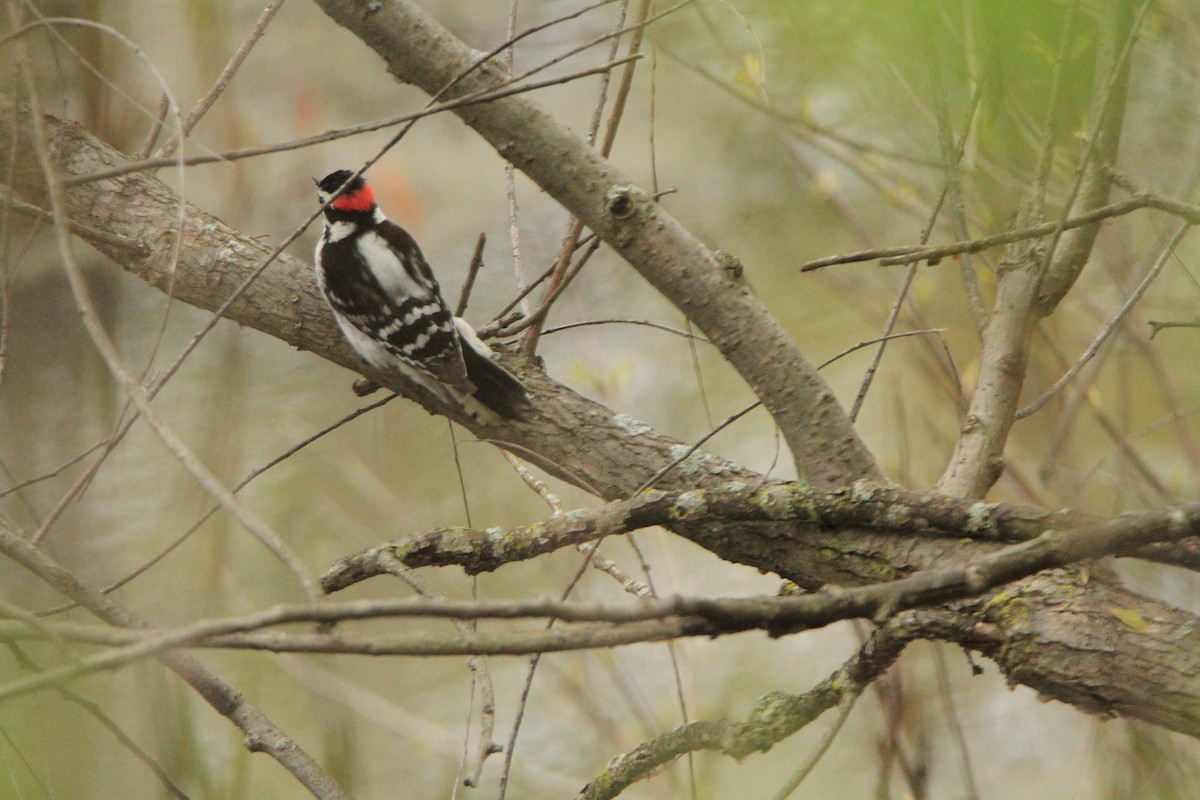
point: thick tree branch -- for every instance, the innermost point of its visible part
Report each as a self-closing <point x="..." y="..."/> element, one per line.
<point x="863" y="506"/>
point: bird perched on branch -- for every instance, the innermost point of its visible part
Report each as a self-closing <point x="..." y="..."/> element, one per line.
<point x="390" y="307"/>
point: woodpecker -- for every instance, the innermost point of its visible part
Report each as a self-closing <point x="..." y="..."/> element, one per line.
<point x="390" y="307"/>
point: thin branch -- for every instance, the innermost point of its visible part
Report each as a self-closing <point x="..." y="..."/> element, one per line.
<point x="538" y="486"/>
<point x="473" y="268"/>
<point x="206" y="102"/>
<point x="908" y="253"/>
<point x="575" y="228"/>
<point x="56" y="471"/>
<point x="156" y="126"/>
<point x="951" y="155"/>
<point x="647" y="323"/>
<point x="476" y="663"/>
<point x="911" y="273"/>
<point x="1050" y="129"/>
<point x="1110" y="326"/>
<point x="215" y="507"/>
<point x="1102" y="127"/>
<point x="339" y="133"/>
<point x="846" y="704"/>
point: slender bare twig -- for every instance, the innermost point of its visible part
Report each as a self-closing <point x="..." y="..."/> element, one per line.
<point x="531" y="672"/>
<point x="210" y="97"/>
<point x="16" y="487"/>
<point x="535" y="483"/>
<point x="1110" y="326"/>
<point x="956" y="727"/>
<point x="645" y="322"/>
<point x="1050" y="129"/>
<point x="951" y="155"/>
<point x="340" y="133"/>
<point x="908" y="254"/>
<point x="477" y="665"/>
<point x="846" y="705"/>
<point x="911" y="273"/>
<point x="571" y="241"/>
<point x="10" y="202"/>
<point x="156" y="126"/>
<point x="1159" y="325"/>
<point x="552" y="294"/>
<point x="473" y="268"/>
<point x="510" y="172"/>
<point x="215" y="507"/>
<point x="629" y="584"/>
<point x="1119" y="73"/>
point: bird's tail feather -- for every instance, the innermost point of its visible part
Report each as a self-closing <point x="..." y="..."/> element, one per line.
<point x="495" y="387"/>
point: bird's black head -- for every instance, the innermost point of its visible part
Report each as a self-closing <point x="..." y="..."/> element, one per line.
<point x="358" y="198"/>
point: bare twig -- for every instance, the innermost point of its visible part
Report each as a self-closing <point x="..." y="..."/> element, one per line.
<point x="647" y="323"/>
<point x="477" y="665"/>
<point x="846" y="704"/>
<point x="911" y="273"/>
<point x="473" y="268"/>
<point x="535" y="483"/>
<point x="164" y="108"/>
<point x="951" y="155"/>
<point x="1156" y="326"/>
<point x="16" y="487"/>
<point x="215" y="507"/>
<point x="571" y="241"/>
<point x="206" y="102"/>
<point x="1102" y="127"/>
<point x="1110" y="326"/>
<point x="510" y="172"/>
<point x="907" y="254"/>
<point x="1050" y="129"/>
<point x="340" y="133"/>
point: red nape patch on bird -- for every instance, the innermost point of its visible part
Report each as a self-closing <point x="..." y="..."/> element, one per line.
<point x="362" y="200"/>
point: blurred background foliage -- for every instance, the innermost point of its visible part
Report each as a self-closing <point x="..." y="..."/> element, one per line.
<point x="785" y="132"/>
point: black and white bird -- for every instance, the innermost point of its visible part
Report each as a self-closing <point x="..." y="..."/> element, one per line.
<point x="388" y="304"/>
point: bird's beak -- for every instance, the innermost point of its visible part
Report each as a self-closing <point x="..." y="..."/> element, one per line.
<point x="316" y="182"/>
